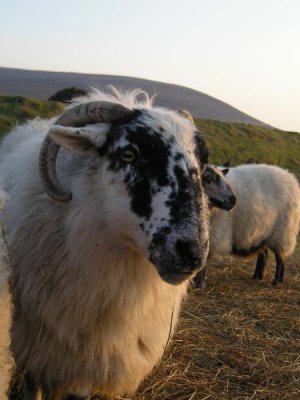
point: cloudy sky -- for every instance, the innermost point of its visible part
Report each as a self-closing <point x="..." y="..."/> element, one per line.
<point x="246" y="53"/>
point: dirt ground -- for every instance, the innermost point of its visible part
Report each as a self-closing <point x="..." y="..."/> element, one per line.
<point x="238" y="339"/>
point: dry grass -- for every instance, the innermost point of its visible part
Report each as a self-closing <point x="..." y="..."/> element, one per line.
<point x="238" y="339"/>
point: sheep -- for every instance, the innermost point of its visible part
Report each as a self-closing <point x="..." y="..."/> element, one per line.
<point x="217" y="188"/>
<point x="266" y="216"/>
<point x="106" y="222"/>
<point x="220" y="195"/>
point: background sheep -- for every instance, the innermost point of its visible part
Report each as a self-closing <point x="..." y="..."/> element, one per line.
<point x="220" y="195"/>
<point x="97" y="281"/>
<point x="218" y="188"/>
<point x="267" y="216"/>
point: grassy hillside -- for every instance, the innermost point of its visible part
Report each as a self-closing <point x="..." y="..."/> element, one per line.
<point x="239" y="143"/>
<point x="227" y="141"/>
<point x="17" y="109"/>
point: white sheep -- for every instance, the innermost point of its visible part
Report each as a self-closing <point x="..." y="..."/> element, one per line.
<point x="266" y="216"/>
<point x="100" y="262"/>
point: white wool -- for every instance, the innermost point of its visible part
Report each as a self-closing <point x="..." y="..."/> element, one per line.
<point x="267" y="211"/>
<point x="114" y="315"/>
<point x="136" y="98"/>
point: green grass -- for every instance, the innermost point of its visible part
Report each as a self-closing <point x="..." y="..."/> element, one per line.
<point x="238" y="143"/>
<point x="16" y="110"/>
<point x="232" y="142"/>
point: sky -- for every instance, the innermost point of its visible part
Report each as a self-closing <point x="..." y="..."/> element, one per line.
<point x="246" y="53"/>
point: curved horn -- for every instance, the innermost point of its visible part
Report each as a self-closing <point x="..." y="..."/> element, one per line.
<point x="185" y="114"/>
<point x="93" y="112"/>
<point x="80" y="115"/>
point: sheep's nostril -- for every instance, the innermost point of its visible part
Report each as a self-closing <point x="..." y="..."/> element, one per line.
<point x="195" y="262"/>
<point x="188" y="254"/>
<point x="232" y="199"/>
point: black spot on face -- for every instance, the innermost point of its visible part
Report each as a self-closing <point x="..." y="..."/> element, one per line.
<point x="160" y="237"/>
<point x="141" y="198"/>
<point x="148" y="172"/>
<point x="154" y="153"/>
<point x="179" y="200"/>
<point x="110" y="139"/>
<point x="178" y="156"/>
<point x="150" y="168"/>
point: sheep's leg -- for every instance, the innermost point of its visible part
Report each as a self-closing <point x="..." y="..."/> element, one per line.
<point x="260" y="264"/>
<point x="279" y="274"/>
<point x="199" y="279"/>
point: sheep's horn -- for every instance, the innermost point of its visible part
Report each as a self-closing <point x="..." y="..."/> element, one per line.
<point x="185" y="114"/>
<point x="80" y="115"/>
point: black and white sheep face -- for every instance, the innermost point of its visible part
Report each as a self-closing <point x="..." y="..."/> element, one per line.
<point x="149" y="181"/>
<point x="217" y="188"/>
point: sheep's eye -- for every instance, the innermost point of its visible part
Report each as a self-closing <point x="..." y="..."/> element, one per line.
<point x="127" y="155"/>
<point x="207" y="179"/>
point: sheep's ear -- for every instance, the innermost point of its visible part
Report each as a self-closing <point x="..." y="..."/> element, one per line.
<point x="225" y="171"/>
<point x="84" y="140"/>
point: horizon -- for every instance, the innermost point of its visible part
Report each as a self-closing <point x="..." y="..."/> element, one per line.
<point x="244" y="55"/>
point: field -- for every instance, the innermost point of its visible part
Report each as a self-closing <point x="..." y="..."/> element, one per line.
<point x="237" y="339"/>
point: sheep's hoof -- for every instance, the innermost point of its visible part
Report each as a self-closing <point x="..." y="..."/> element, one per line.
<point x="257" y="277"/>
<point x="276" y="283"/>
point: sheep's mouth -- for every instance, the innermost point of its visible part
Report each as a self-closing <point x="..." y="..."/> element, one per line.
<point x="223" y="205"/>
<point x="176" y="278"/>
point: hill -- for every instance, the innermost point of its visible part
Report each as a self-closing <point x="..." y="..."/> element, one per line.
<point x="241" y="143"/>
<point x="43" y="84"/>
<point x="17" y="109"/>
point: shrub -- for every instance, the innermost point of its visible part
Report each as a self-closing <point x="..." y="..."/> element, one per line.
<point x="67" y="94"/>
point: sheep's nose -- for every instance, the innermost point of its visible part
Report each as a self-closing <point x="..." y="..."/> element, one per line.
<point x="195" y="261"/>
<point x="189" y="255"/>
